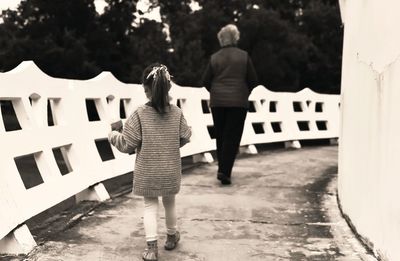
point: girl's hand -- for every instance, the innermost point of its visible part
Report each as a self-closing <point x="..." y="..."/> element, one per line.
<point x="117" y="126"/>
<point x="110" y="136"/>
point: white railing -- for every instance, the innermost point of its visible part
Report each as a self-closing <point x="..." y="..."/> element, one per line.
<point x="273" y="117"/>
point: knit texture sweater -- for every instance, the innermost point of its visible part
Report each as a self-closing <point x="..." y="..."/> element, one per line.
<point x="230" y="77"/>
<point x="156" y="138"/>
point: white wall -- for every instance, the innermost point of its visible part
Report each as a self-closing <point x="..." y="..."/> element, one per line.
<point x="369" y="148"/>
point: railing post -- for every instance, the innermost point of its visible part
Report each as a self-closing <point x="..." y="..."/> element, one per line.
<point x="203" y="157"/>
<point x="18" y="241"/>
<point x="250" y="149"/>
<point x="94" y="193"/>
<point x="293" y="144"/>
<point x="333" y="141"/>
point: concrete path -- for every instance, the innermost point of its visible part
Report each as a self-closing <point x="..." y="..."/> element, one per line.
<point x="281" y="206"/>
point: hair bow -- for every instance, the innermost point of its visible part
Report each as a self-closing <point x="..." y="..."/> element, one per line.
<point x="155" y="71"/>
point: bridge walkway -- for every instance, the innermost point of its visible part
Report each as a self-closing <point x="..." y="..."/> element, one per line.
<point x="281" y="206"/>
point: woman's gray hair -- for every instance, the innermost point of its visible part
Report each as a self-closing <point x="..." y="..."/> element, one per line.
<point x="228" y="35"/>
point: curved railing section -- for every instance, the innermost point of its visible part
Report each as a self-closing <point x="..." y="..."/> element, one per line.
<point x="46" y="130"/>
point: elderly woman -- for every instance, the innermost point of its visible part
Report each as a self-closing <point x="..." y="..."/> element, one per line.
<point x="230" y="78"/>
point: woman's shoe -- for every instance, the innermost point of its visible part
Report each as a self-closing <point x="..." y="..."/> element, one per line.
<point x="151" y="252"/>
<point x="225" y="180"/>
<point x="172" y="241"/>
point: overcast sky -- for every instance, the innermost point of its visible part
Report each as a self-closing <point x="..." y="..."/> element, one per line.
<point x="100" y="4"/>
<point x="4" y="4"/>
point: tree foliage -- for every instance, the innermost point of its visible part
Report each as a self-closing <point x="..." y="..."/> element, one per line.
<point x="293" y="43"/>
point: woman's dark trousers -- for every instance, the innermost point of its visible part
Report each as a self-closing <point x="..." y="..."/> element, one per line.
<point x="228" y="129"/>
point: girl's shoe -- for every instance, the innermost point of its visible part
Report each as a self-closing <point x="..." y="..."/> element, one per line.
<point x="172" y="241"/>
<point x="151" y="252"/>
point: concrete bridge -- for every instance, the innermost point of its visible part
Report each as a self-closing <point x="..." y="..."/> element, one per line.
<point x="281" y="206"/>
<point x="55" y="130"/>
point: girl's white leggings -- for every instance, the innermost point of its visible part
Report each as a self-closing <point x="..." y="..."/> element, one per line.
<point x="150" y="216"/>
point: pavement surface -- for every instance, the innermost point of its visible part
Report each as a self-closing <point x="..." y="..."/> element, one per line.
<point x="281" y="206"/>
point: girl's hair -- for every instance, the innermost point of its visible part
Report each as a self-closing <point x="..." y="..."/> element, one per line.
<point x="157" y="80"/>
<point x="228" y="35"/>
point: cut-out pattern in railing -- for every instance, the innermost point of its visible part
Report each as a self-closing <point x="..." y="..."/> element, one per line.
<point x="258" y="127"/>
<point x="322" y="125"/>
<point x="92" y="111"/>
<point x="297" y="106"/>
<point x="303" y="125"/>
<point x="252" y="106"/>
<point x="319" y="107"/>
<point x="272" y="106"/>
<point x="52" y="118"/>
<point x="211" y="131"/>
<point x="205" y="106"/>
<point x="104" y="149"/>
<point x="276" y="127"/>
<point x="28" y="170"/>
<point x="62" y="159"/>
<point x="122" y="108"/>
<point x="180" y="102"/>
<point x="10" y="119"/>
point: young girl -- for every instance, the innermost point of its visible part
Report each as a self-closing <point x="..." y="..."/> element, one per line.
<point x="156" y="130"/>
